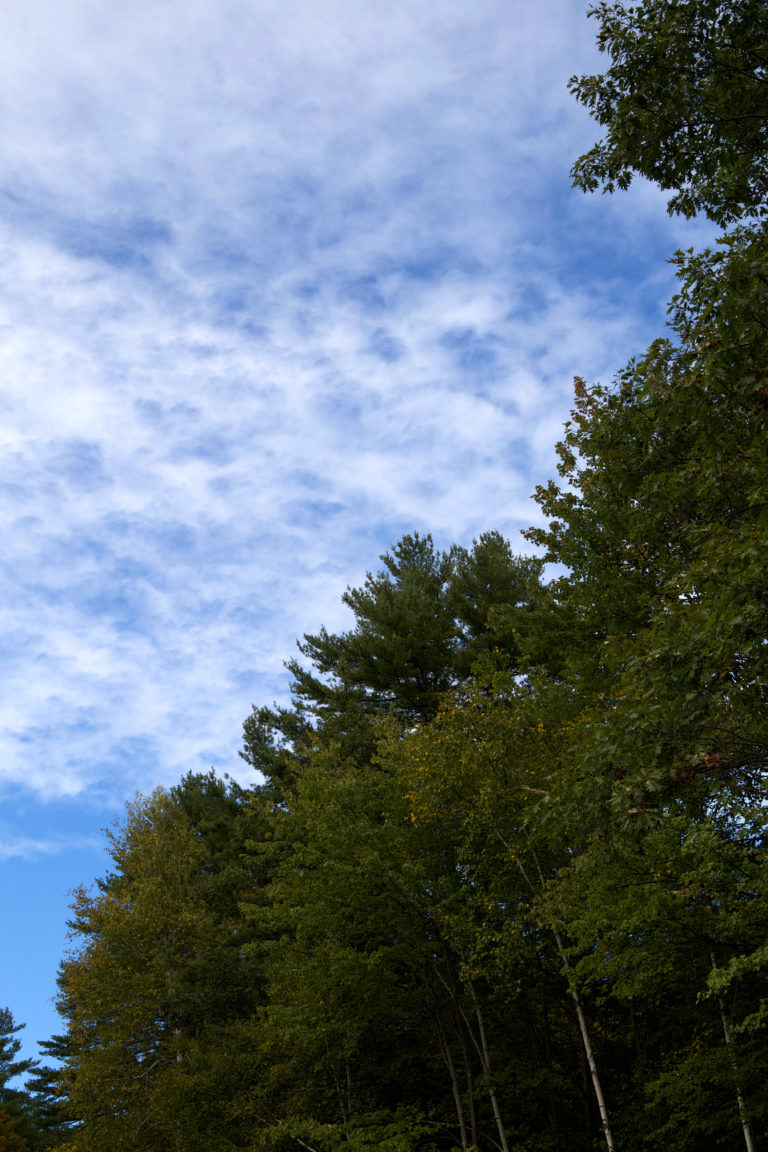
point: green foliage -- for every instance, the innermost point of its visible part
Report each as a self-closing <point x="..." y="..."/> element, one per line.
<point x="18" y="1127"/>
<point x="398" y="658"/>
<point x="401" y="1131"/>
<point x="661" y="523"/>
<point x="483" y="776"/>
<point x="351" y="1008"/>
<point x="684" y="102"/>
<point x="10" y="1138"/>
<point x="155" y="994"/>
<point x="663" y="527"/>
<point x="507" y="830"/>
<point x="10" y="1047"/>
<point x="48" y="1097"/>
<point x="420" y="625"/>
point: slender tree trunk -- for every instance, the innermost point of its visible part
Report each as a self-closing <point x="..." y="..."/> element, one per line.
<point x="348" y="1072"/>
<point x="735" y="1069"/>
<point x="481" y="1048"/>
<point x="468" y="1075"/>
<point x="588" y="1052"/>
<point x="577" y="1002"/>
<point x="448" y="1058"/>
<point x="575" y="996"/>
<point x="486" y="1061"/>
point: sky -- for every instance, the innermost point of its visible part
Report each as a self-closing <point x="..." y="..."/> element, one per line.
<point x="279" y="283"/>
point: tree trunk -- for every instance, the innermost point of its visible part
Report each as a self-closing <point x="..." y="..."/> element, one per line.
<point x="445" y="1049"/>
<point x="468" y="1075"/>
<point x="735" y="1069"/>
<point x="486" y="1062"/>
<point x="576" y="997"/>
<point x="596" y="1085"/>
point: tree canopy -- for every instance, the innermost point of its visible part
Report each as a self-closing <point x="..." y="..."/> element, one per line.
<point x="501" y="881"/>
<point x="684" y="103"/>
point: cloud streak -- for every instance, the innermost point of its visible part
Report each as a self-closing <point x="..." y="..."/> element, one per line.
<point x="27" y="848"/>
<point x="278" y="283"/>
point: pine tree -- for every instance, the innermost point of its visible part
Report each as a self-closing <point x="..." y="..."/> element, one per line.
<point x="48" y="1099"/>
<point x="14" y="1101"/>
<point x="420" y="624"/>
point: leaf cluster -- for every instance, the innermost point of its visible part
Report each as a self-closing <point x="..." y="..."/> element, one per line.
<point x="684" y="103"/>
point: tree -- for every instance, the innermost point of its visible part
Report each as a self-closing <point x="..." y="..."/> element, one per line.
<point x="48" y="1098"/>
<point x="359" y="964"/>
<point x="485" y="771"/>
<point x="348" y="1027"/>
<point x="661" y="523"/>
<point x="17" y="1122"/>
<point x="398" y="659"/>
<point x="376" y="999"/>
<point x="649" y="919"/>
<point x="10" y="1047"/>
<point x="419" y="625"/>
<point x="662" y="526"/>
<point x="684" y="102"/>
<point x="10" y="1139"/>
<point x="158" y="994"/>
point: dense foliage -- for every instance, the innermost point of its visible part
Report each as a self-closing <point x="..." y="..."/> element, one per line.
<point x="501" y="879"/>
<point x="684" y="102"/>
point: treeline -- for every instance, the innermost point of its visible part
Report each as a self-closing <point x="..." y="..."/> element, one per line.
<point x="503" y="882"/>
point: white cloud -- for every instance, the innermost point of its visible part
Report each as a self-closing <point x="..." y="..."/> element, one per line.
<point x="28" y="848"/>
<point x="278" y="282"/>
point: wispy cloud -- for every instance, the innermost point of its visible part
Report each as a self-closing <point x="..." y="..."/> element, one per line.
<point x="28" y="848"/>
<point x="278" y="282"/>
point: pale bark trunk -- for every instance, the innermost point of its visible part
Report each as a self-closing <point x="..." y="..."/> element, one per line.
<point x="448" y="1058"/>
<point x="735" y="1069"/>
<point x="577" y="1002"/>
<point x="578" y="1005"/>
<point x="486" y="1062"/>
<point x="481" y="1048"/>
<point x="470" y="1090"/>
<point x="596" y="1085"/>
<point x="468" y="1075"/>
<point x="348" y="1072"/>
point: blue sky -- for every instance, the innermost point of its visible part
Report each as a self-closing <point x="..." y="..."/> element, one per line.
<point x="279" y="282"/>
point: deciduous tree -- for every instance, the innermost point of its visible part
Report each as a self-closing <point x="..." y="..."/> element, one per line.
<point x="157" y="993"/>
<point x="684" y="103"/>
